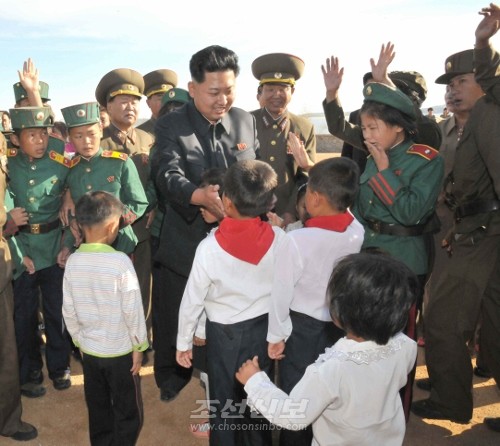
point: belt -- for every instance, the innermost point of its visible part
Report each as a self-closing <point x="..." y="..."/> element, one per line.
<point x="394" y="229"/>
<point x="40" y="228"/>
<point x="476" y="207"/>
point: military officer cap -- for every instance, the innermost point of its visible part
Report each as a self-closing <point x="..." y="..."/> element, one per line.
<point x="159" y="81"/>
<point x="81" y="114"/>
<point x="408" y="81"/>
<point x="20" y="92"/>
<point x="456" y="64"/>
<point x="384" y="94"/>
<point x="119" y="81"/>
<point x="279" y="68"/>
<point x="30" y="117"/>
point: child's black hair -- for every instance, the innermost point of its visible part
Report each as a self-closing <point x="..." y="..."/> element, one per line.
<point x="337" y="179"/>
<point x="96" y="207"/>
<point x="250" y="185"/>
<point x="371" y="295"/>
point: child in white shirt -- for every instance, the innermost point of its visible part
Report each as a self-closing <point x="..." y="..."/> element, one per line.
<point x="351" y="393"/>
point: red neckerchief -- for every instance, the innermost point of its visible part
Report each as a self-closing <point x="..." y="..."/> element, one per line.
<point x="247" y="240"/>
<point x="337" y="223"/>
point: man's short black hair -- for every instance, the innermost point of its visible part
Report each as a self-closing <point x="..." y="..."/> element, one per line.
<point x="250" y="185"/>
<point x="337" y="179"/>
<point x="212" y="59"/>
<point x="371" y="295"/>
<point x="96" y="207"/>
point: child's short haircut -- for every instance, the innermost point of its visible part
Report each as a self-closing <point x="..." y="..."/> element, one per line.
<point x="96" y="207"/>
<point x="371" y="295"/>
<point x="250" y="185"/>
<point x="337" y="179"/>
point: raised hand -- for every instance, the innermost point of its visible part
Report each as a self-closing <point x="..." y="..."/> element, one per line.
<point x="379" y="68"/>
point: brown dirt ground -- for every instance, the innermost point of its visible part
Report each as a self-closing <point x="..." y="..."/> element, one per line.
<point x="61" y="416"/>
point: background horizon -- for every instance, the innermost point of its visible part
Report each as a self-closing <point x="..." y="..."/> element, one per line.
<point x="74" y="44"/>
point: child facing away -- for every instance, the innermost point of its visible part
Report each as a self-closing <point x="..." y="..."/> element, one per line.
<point x="299" y="312"/>
<point x="231" y="280"/>
<point x="351" y="393"/>
<point x="102" y="309"/>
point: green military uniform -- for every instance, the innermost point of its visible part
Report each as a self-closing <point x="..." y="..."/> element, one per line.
<point x="37" y="184"/>
<point x="136" y="143"/>
<point x="404" y="195"/>
<point x="157" y="82"/>
<point x="109" y="171"/>
<point x="279" y="68"/>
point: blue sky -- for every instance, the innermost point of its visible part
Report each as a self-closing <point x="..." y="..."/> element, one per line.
<point x="74" y="44"/>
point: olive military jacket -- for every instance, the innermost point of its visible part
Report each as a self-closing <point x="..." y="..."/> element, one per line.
<point x="37" y="184"/>
<point x="148" y="126"/>
<point x="273" y="137"/>
<point x="477" y="160"/>
<point x="112" y="172"/>
<point x="404" y="194"/>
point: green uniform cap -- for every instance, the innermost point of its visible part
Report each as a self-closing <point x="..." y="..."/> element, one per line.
<point x="30" y="117"/>
<point x="119" y="81"/>
<point x="390" y="96"/>
<point x="279" y="68"/>
<point x="159" y="81"/>
<point x="177" y="95"/>
<point x="456" y="64"/>
<point x="20" y="92"/>
<point x="410" y="80"/>
<point x="81" y="114"/>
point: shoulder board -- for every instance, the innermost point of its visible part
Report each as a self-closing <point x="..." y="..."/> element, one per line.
<point x="114" y="154"/>
<point x="424" y="151"/>
<point x="58" y="158"/>
<point x="74" y="161"/>
<point x="11" y="152"/>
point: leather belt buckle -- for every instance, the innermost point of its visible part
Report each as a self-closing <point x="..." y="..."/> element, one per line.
<point x="376" y="226"/>
<point x="35" y="228"/>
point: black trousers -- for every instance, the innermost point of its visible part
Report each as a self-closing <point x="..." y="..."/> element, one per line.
<point x="114" y="400"/>
<point x="228" y="346"/>
<point x="165" y="323"/>
<point x="27" y="287"/>
<point x="308" y="340"/>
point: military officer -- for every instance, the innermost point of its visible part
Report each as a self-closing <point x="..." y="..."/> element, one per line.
<point x="96" y="169"/>
<point x="156" y="84"/>
<point x="120" y="91"/>
<point x="467" y="288"/>
<point x="277" y="126"/>
<point x="38" y="172"/>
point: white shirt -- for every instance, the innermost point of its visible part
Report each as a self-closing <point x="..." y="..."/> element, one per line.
<point x="350" y="394"/>
<point x="230" y="290"/>
<point x="303" y="266"/>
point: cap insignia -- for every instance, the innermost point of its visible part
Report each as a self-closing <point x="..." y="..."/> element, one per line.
<point x="278" y="75"/>
<point x="40" y="116"/>
<point x="81" y="113"/>
<point x="171" y="94"/>
<point x="448" y="66"/>
<point x="368" y="90"/>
